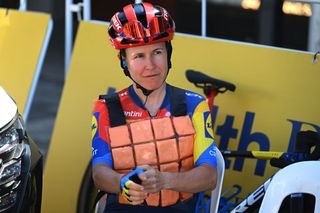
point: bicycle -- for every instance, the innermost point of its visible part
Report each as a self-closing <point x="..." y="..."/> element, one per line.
<point x="302" y="152"/>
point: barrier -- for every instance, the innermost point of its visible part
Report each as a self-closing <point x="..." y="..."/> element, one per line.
<point x="24" y="37"/>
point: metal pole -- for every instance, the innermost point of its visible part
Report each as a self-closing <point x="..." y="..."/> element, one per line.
<point x="86" y="10"/>
<point x="204" y="18"/>
<point x="314" y="29"/>
<point x="68" y="35"/>
<point x="23" y="5"/>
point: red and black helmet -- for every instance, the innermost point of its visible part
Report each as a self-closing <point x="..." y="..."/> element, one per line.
<point x="140" y="24"/>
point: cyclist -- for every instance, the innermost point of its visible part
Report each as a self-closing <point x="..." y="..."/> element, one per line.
<point x="152" y="143"/>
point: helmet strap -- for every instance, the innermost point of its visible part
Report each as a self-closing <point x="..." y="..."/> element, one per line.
<point x="169" y="53"/>
<point x="145" y="91"/>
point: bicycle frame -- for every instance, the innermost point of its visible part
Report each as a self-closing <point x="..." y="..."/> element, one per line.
<point x="254" y="200"/>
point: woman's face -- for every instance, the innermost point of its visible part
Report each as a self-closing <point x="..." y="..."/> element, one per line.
<point x="148" y="64"/>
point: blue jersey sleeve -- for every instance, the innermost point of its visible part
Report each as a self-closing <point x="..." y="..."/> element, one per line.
<point x="100" y="146"/>
<point x="204" y="146"/>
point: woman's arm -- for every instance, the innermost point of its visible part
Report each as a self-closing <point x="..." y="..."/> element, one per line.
<point x="201" y="178"/>
<point x="107" y="180"/>
<point x="198" y="179"/>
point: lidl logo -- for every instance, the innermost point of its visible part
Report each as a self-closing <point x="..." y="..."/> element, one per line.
<point x="208" y="125"/>
<point x="94" y="125"/>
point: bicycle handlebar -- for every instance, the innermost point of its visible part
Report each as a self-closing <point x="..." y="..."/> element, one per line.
<point x="262" y="155"/>
<point x="305" y="140"/>
<point x="198" y="78"/>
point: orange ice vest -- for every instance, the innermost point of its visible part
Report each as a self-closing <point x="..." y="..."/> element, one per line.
<point x="166" y="143"/>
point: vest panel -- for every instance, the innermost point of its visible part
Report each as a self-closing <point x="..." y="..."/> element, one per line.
<point x="163" y="142"/>
<point x="153" y="199"/>
<point x="120" y="135"/>
<point x="141" y="131"/>
<point x="163" y="128"/>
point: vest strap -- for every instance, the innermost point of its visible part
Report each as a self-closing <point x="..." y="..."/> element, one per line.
<point x="116" y="114"/>
<point x="177" y="102"/>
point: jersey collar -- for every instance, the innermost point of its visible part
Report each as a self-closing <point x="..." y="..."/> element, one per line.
<point x="135" y="98"/>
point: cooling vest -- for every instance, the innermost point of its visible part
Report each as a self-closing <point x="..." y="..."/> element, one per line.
<point x="128" y="138"/>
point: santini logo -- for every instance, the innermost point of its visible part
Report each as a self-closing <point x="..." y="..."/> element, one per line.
<point x="133" y="114"/>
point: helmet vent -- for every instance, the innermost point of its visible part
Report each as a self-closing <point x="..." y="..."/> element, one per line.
<point x="141" y="14"/>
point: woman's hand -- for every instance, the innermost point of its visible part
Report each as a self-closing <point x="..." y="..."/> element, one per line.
<point x="198" y="179"/>
<point x="152" y="179"/>
<point x="134" y="193"/>
<point x="131" y="189"/>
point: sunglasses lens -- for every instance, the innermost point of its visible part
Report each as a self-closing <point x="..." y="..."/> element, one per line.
<point x="133" y="30"/>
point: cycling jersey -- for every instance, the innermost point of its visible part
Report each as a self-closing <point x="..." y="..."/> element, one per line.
<point x="197" y="109"/>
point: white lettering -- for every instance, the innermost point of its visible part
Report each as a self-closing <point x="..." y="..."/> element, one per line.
<point x="116" y="23"/>
<point x="94" y="151"/>
<point x="212" y="152"/>
<point x="123" y="94"/>
<point x="133" y="114"/>
<point x="165" y="15"/>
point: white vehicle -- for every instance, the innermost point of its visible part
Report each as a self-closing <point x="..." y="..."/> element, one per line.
<point x="21" y="162"/>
